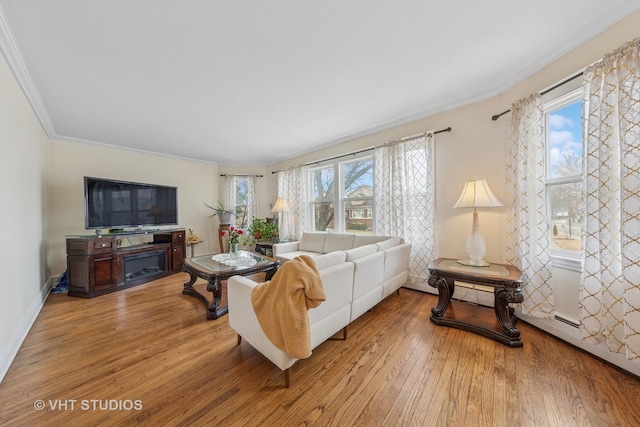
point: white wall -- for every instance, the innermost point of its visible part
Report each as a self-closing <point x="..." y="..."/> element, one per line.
<point x="23" y="178"/>
<point x="70" y="162"/>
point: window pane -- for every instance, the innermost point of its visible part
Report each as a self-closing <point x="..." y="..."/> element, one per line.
<point x="565" y="203"/>
<point x="565" y="141"/>
<point x="242" y="198"/>
<point x="322" y="181"/>
<point x="357" y="176"/>
<point x="323" y="216"/>
<point x="358" y="216"/>
<point x="323" y="194"/>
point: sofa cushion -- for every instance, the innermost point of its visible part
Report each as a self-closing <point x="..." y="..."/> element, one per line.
<point x="362" y="251"/>
<point x="312" y="241"/>
<point x="338" y="242"/>
<point x="368" y="239"/>
<point x="332" y="258"/>
<point x="389" y="243"/>
<point x="288" y="256"/>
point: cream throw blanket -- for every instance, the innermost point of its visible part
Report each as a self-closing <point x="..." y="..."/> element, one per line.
<point x="281" y="305"/>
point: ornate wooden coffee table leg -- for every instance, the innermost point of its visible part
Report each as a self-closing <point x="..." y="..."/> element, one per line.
<point x="214" y="311"/>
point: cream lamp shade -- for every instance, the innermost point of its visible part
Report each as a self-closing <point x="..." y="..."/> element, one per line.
<point x="281" y="205"/>
<point x="476" y="194"/>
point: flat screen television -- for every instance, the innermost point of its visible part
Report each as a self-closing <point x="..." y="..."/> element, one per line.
<point x="113" y="204"/>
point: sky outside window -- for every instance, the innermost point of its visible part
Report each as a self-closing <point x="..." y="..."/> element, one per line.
<point x="565" y="137"/>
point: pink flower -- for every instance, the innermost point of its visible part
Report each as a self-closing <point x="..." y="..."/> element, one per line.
<point x="234" y="234"/>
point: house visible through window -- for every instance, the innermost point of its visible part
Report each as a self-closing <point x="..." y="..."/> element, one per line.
<point x="564" y="132"/>
<point x="357" y="195"/>
<point x="347" y="206"/>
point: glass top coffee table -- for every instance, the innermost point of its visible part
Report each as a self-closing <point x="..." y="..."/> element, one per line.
<point x="216" y="267"/>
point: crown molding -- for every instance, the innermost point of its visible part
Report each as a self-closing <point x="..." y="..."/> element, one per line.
<point x="14" y="58"/>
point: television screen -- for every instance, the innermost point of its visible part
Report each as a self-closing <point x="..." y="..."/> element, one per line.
<point x="118" y="204"/>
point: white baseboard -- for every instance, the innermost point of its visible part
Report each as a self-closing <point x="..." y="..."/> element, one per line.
<point x="477" y="294"/>
<point x="9" y="351"/>
<point x="571" y="334"/>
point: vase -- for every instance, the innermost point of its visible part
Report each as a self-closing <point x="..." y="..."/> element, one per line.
<point x="233" y="249"/>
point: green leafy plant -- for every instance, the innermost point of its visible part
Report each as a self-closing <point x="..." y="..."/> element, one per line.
<point x="224" y="214"/>
<point x="262" y="230"/>
<point x="220" y="209"/>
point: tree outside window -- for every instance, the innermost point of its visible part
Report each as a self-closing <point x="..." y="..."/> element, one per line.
<point x="564" y="174"/>
<point x="354" y="198"/>
<point x="242" y="200"/>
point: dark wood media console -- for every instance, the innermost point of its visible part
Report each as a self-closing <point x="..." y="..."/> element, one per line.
<point x="96" y="265"/>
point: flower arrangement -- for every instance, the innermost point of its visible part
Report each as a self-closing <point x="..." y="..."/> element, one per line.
<point x="234" y="235"/>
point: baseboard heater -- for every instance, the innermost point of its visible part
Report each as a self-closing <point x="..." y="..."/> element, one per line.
<point x="566" y="321"/>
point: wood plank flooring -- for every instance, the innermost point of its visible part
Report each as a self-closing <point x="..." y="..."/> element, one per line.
<point x="147" y="356"/>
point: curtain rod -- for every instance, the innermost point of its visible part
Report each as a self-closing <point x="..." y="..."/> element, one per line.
<point x="555" y="86"/>
<point x="364" y="150"/>
<point x="241" y="174"/>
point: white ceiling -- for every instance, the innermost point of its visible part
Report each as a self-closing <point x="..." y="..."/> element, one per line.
<point x="256" y="82"/>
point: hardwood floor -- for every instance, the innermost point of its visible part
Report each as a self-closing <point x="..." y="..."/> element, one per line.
<point x="146" y="355"/>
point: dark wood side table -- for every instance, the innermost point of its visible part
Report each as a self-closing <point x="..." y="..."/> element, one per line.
<point x="506" y="281"/>
<point x="265" y="247"/>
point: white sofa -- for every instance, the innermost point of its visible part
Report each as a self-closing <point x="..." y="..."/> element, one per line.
<point x="355" y="278"/>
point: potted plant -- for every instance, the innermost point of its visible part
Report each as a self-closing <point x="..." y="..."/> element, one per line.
<point x="262" y="230"/>
<point x="224" y="215"/>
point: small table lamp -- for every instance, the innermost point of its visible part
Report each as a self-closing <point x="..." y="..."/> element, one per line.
<point x="281" y="205"/>
<point x="476" y="194"/>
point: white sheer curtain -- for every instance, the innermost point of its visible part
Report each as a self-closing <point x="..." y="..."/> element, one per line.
<point x="230" y="201"/>
<point x="404" y="202"/>
<point x="292" y="185"/>
<point x="610" y="289"/>
<point x="528" y="239"/>
<point x="229" y="192"/>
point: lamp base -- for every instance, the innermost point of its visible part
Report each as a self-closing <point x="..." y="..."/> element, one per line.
<point x="473" y="263"/>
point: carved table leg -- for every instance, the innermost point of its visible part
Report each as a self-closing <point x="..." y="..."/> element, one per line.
<point x="270" y="273"/>
<point x="505" y="313"/>
<point x="192" y="280"/>
<point x="215" y="288"/>
<point x="445" y="290"/>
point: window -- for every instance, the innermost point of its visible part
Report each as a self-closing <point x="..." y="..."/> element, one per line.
<point x="352" y="197"/>
<point x="242" y="201"/>
<point x="242" y="197"/>
<point x="357" y="195"/>
<point x="323" y="198"/>
<point x="564" y="182"/>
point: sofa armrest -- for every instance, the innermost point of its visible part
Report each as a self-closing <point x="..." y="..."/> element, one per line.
<point x="243" y="320"/>
<point x="396" y="260"/>
<point x="283" y="248"/>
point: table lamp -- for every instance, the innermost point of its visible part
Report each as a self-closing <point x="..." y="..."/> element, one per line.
<point x="476" y="194"/>
<point x="281" y="205"/>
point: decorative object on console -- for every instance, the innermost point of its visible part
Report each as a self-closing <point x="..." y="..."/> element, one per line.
<point x="192" y="239"/>
<point x="476" y="194"/>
